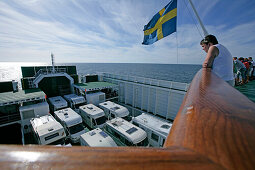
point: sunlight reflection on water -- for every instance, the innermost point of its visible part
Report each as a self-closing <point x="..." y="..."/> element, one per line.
<point x="12" y="70"/>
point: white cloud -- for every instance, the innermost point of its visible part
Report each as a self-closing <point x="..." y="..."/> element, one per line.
<point x="106" y="31"/>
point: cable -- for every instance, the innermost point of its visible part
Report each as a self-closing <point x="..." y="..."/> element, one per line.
<point x="193" y="20"/>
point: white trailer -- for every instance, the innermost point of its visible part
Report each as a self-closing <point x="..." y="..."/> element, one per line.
<point x="113" y="110"/>
<point x="57" y="103"/>
<point x="32" y="111"/>
<point x="93" y="116"/>
<point x="47" y="131"/>
<point x="157" y="129"/>
<point x="95" y="98"/>
<point x="97" y="138"/>
<point x="74" y="101"/>
<point x="125" y="133"/>
<point x="72" y="123"/>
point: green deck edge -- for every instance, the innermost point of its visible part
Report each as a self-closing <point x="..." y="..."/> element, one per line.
<point x="248" y="90"/>
<point x="21" y="95"/>
<point x="95" y="85"/>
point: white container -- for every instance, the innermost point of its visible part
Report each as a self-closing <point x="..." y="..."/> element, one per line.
<point x="113" y="110"/>
<point x="95" y="98"/>
<point x="157" y="129"/>
<point x="97" y="138"/>
<point x="57" y="103"/>
<point x="125" y="133"/>
<point x="47" y="130"/>
<point x="74" y="101"/>
<point x="93" y="116"/>
<point x="72" y="122"/>
<point x="32" y="111"/>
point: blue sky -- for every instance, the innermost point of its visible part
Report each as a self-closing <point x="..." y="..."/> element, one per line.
<point x="111" y="31"/>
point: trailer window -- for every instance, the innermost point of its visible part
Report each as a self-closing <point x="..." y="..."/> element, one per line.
<point x="112" y="115"/>
<point x="165" y="126"/>
<point x="122" y="139"/>
<point x="131" y="130"/>
<point x="76" y="128"/>
<point x="93" y="122"/>
<point x="128" y="143"/>
<point x="101" y="97"/>
<point x="127" y="118"/>
<point x="154" y="137"/>
<point x="58" y="142"/>
<point x="78" y="105"/>
<point x="145" y="142"/>
<point x="28" y="114"/>
<point x="116" y="135"/>
<point x="136" y="124"/>
<point x="163" y="142"/>
<point x="51" y="136"/>
<point x="101" y="120"/>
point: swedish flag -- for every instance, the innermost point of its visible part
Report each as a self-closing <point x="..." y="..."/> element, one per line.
<point x="162" y="24"/>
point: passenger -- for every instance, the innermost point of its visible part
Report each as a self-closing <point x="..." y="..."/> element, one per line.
<point x="252" y="66"/>
<point x="235" y="72"/>
<point x="218" y="58"/>
<point x="247" y="66"/>
<point x="240" y="70"/>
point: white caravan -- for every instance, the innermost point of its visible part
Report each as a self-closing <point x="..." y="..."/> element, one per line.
<point x="95" y="98"/>
<point x="72" y="122"/>
<point x="74" y="101"/>
<point x="97" y="138"/>
<point x="57" y="103"/>
<point x="113" y="110"/>
<point x="47" y="131"/>
<point x="125" y="133"/>
<point x="157" y="129"/>
<point x="93" y="116"/>
<point x="32" y="111"/>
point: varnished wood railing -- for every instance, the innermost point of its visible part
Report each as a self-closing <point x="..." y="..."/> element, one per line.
<point x="214" y="129"/>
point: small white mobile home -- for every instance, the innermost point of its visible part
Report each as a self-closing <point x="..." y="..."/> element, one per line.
<point x="47" y="131"/>
<point x="157" y="129"/>
<point x="95" y="98"/>
<point x="113" y="110"/>
<point x="57" y="103"/>
<point x="93" y="116"/>
<point x="32" y="111"/>
<point x="125" y="133"/>
<point x="97" y="138"/>
<point x="72" y="122"/>
<point x="74" y="101"/>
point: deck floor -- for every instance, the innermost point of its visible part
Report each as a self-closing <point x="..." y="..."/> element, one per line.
<point x="248" y="90"/>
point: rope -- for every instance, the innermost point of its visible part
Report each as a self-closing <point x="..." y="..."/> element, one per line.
<point x="193" y="20"/>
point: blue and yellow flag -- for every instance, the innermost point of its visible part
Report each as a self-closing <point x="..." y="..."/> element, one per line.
<point x="162" y="24"/>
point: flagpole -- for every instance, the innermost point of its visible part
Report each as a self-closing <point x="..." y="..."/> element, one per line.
<point x="199" y="20"/>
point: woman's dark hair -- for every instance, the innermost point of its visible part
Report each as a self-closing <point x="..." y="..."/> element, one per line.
<point x="209" y="39"/>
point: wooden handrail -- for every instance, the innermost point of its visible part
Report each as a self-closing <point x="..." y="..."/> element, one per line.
<point x="216" y="121"/>
<point x="214" y="129"/>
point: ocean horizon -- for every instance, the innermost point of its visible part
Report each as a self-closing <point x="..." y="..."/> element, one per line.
<point x="171" y="72"/>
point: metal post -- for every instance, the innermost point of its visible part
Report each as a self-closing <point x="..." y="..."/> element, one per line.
<point x="199" y="20"/>
<point x="53" y="64"/>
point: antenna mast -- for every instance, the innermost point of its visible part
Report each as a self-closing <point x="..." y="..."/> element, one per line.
<point x="52" y="62"/>
<point x="199" y="20"/>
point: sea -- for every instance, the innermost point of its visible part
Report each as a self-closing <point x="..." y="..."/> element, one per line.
<point x="183" y="73"/>
<point x="172" y="72"/>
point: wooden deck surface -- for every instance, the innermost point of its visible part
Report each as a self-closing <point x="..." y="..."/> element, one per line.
<point x="214" y="129"/>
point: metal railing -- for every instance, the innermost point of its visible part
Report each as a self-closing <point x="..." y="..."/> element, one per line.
<point x="148" y="81"/>
<point x="49" y="71"/>
<point x="9" y="118"/>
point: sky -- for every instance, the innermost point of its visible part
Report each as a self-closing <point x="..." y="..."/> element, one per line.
<point x="111" y="31"/>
